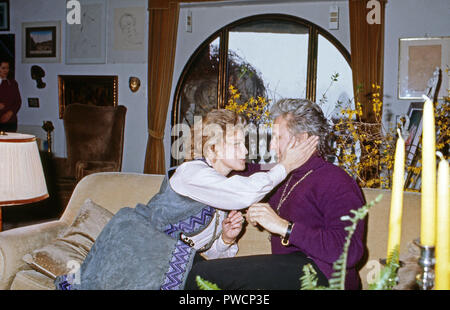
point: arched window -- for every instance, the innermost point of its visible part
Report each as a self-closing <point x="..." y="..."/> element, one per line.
<point x="272" y="55"/>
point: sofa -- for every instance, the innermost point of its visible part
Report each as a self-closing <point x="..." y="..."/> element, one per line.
<point x="114" y="190"/>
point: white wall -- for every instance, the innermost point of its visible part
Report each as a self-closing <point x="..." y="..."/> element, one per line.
<point x="136" y="103"/>
<point x="207" y="19"/>
<point x="409" y="18"/>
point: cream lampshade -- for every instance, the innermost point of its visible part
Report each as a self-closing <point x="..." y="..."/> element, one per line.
<point x="22" y="178"/>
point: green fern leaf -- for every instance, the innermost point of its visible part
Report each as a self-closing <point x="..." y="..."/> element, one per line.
<point x="206" y="285"/>
<point x="309" y="278"/>
<point x="387" y="278"/>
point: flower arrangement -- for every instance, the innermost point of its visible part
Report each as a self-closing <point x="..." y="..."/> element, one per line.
<point x="376" y="144"/>
<point x="255" y="109"/>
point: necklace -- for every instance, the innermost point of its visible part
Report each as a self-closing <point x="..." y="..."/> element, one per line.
<point x="284" y="197"/>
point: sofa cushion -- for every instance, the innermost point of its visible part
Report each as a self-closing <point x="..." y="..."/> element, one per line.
<point x="72" y="245"/>
<point x="32" y="280"/>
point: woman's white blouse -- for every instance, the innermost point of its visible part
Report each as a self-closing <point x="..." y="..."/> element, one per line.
<point x="197" y="180"/>
<point x="200" y="182"/>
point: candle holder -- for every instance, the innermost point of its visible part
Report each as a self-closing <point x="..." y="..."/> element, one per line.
<point x="425" y="280"/>
<point x="392" y="282"/>
<point x="48" y="127"/>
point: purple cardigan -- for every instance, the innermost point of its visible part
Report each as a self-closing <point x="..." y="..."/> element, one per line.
<point x="315" y="207"/>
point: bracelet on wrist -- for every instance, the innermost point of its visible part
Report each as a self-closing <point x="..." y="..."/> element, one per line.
<point x="285" y="239"/>
<point x="227" y="242"/>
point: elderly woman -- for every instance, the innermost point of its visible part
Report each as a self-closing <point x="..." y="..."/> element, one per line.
<point x="153" y="246"/>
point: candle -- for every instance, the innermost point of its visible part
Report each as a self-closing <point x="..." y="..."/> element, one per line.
<point x="398" y="179"/>
<point x="428" y="198"/>
<point x="442" y="270"/>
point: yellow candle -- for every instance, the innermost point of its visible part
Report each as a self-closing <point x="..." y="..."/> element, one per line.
<point x="442" y="270"/>
<point x="398" y="179"/>
<point x="428" y="199"/>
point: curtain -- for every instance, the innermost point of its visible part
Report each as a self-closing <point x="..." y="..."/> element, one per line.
<point x="367" y="50"/>
<point x="163" y="27"/>
<point x="162" y="40"/>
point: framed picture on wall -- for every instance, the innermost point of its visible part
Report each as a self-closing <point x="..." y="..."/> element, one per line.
<point x="8" y="51"/>
<point x="4" y="15"/>
<point x="418" y="60"/>
<point x="86" y="42"/>
<point x="41" y="42"/>
<point x="127" y="40"/>
<point x="99" y="90"/>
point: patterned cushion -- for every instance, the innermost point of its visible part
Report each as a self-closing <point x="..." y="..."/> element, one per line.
<point x="70" y="249"/>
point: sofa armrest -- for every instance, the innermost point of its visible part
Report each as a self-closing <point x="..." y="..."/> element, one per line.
<point x="84" y="168"/>
<point x="15" y="243"/>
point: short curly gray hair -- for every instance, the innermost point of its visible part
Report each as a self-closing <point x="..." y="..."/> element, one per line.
<point x="303" y="115"/>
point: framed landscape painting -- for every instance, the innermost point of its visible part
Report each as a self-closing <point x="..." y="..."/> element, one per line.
<point x="41" y="42"/>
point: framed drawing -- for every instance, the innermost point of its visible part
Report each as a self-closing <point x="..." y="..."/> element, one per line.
<point x="418" y="59"/>
<point x="100" y="90"/>
<point x="127" y="28"/>
<point x="41" y="42"/>
<point x="86" y="42"/>
<point x="4" y="15"/>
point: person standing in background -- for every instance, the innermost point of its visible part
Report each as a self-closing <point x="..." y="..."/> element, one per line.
<point x="10" y="100"/>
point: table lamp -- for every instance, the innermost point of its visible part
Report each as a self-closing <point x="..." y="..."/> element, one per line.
<point x="22" y="178"/>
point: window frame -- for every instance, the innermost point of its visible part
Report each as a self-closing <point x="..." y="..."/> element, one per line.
<point x="222" y="34"/>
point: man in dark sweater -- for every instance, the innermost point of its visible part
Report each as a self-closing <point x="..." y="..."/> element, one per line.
<point x="10" y="100"/>
<point x="302" y="214"/>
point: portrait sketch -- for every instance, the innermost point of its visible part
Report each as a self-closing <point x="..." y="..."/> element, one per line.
<point x="127" y="27"/>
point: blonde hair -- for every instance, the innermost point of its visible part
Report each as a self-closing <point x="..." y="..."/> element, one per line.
<point x="213" y="130"/>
